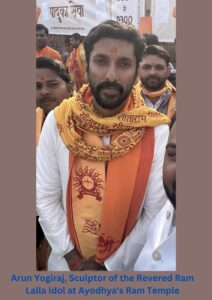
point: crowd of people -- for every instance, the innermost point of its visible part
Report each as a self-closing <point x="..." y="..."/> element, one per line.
<point x="106" y="158"/>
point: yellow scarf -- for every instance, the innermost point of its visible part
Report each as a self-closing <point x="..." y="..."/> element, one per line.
<point x="168" y="86"/>
<point x="94" y="194"/>
<point x="74" y="115"/>
<point x="39" y="122"/>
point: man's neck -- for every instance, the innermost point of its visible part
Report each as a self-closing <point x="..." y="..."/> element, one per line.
<point x="153" y="99"/>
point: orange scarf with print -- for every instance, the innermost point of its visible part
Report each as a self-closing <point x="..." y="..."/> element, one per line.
<point x="104" y="195"/>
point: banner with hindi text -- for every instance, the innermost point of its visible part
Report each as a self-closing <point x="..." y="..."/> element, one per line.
<point x="67" y="17"/>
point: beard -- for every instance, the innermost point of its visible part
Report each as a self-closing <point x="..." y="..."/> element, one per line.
<point x="111" y="100"/>
<point x="40" y="45"/>
<point x="171" y="193"/>
<point x="153" y="83"/>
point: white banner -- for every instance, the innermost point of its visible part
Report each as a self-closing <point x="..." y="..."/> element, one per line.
<point x="125" y="11"/>
<point x="162" y="11"/>
<point x="67" y="17"/>
<point x="163" y="22"/>
<point x="102" y="11"/>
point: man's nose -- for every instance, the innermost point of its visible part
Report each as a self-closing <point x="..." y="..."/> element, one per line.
<point x="45" y="90"/>
<point x="152" y="71"/>
<point x="111" y="74"/>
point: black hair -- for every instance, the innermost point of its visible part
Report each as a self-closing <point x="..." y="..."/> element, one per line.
<point x="157" y="50"/>
<point x="42" y="27"/>
<point x="151" y="39"/>
<point x="115" y="30"/>
<point x="76" y="36"/>
<point x="54" y="65"/>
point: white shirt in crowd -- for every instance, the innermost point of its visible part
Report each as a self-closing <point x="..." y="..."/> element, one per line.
<point x="52" y="177"/>
<point x="159" y="251"/>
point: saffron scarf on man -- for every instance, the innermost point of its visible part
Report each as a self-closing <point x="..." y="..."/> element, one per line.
<point x="39" y="122"/>
<point x="76" y="67"/>
<point x="172" y="101"/>
<point x="107" y="183"/>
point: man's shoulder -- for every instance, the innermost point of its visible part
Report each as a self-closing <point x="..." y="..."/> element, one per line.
<point x="161" y="134"/>
<point x="51" y="50"/>
<point x="55" y="54"/>
<point x="161" y="130"/>
<point x="50" y="119"/>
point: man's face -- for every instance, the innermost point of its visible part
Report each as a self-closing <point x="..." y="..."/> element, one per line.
<point x="50" y="89"/>
<point x="73" y="43"/>
<point x="41" y="39"/>
<point x="153" y="72"/>
<point x="169" y="167"/>
<point x="112" y="71"/>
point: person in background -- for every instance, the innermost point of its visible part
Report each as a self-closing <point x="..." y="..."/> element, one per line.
<point x="159" y="251"/>
<point x="99" y="160"/>
<point x="153" y="39"/>
<point x="76" y="61"/>
<point x="52" y="86"/>
<point x="42" y="48"/>
<point x="156" y="91"/>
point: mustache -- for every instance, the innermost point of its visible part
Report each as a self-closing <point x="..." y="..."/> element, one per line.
<point x="152" y="77"/>
<point x="109" y="84"/>
<point x="48" y="99"/>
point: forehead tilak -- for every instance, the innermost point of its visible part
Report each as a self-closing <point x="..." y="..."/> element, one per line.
<point x="113" y="51"/>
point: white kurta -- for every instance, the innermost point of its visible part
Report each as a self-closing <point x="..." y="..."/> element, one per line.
<point x="159" y="252"/>
<point x="52" y="178"/>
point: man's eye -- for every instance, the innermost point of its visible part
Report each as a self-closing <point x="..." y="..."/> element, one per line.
<point x="53" y="84"/>
<point x="100" y="61"/>
<point x="171" y="154"/>
<point x="125" y="64"/>
<point x="159" y="68"/>
<point x="145" y="67"/>
<point x="38" y="86"/>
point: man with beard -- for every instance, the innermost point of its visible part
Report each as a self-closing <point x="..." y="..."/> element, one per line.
<point x="156" y="90"/>
<point x="159" y="252"/>
<point x="42" y="50"/>
<point x="99" y="160"/>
